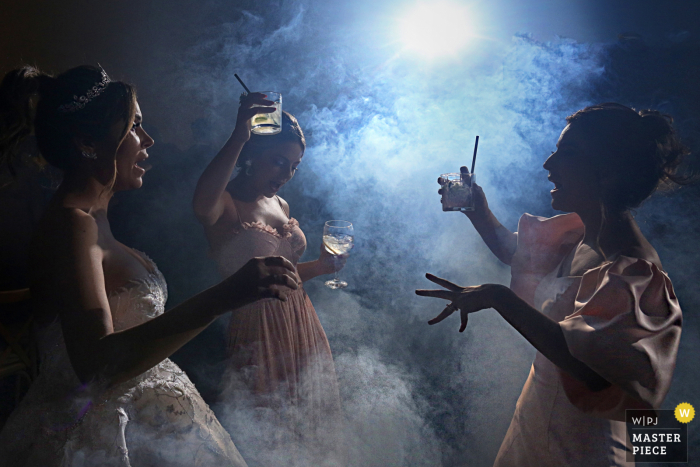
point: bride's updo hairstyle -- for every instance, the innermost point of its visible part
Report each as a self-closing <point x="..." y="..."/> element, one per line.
<point x="291" y="132"/>
<point x="32" y="102"/>
<point x="633" y="152"/>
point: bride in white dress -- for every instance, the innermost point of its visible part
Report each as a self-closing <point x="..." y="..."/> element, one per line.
<point x="107" y="394"/>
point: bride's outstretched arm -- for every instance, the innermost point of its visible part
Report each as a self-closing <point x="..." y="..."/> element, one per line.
<point x="74" y="284"/>
<point x="207" y="202"/>
<point x="500" y="240"/>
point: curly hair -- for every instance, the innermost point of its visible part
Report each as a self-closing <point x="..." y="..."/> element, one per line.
<point x="639" y="151"/>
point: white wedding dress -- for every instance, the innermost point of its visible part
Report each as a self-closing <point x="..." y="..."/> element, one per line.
<point x="155" y="419"/>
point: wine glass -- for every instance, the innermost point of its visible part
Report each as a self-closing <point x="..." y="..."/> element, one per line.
<point x="338" y="239"/>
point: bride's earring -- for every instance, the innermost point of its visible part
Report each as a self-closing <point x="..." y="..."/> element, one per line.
<point x="248" y="168"/>
<point x="89" y="155"/>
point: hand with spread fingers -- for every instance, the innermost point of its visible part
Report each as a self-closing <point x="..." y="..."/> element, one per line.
<point x="466" y="299"/>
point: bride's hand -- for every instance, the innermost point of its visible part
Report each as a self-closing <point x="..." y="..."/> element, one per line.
<point x="466" y="299"/>
<point x="330" y="263"/>
<point x="264" y="277"/>
<point x="246" y="112"/>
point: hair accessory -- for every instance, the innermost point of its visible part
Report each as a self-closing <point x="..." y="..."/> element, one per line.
<point x="89" y="155"/>
<point x="79" y="102"/>
<point x="248" y="168"/>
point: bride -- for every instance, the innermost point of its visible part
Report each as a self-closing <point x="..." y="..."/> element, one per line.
<point x="107" y="393"/>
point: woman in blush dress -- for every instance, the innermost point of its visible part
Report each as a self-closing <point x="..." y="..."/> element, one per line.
<point x="277" y="351"/>
<point x="107" y="394"/>
<point x="588" y="291"/>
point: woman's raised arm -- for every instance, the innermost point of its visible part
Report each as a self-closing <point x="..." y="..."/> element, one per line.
<point x="207" y="203"/>
<point x="501" y="241"/>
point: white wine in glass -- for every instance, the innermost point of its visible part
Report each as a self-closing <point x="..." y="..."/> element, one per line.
<point x="338" y="239"/>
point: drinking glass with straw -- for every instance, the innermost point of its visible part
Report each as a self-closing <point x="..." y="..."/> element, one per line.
<point x="457" y="187"/>
<point x="268" y="123"/>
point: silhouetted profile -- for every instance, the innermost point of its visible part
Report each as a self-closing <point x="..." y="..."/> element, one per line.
<point x="588" y="291"/>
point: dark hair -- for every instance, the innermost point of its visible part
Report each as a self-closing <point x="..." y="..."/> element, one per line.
<point x="637" y="151"/>
<point x="291" y="132"/>
<point x="30" y="101"/>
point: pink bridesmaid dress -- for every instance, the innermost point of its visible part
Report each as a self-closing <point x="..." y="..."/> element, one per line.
<point x="278" y="354"/>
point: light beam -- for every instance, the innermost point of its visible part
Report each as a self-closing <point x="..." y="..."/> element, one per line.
<point x="436" y="29"/>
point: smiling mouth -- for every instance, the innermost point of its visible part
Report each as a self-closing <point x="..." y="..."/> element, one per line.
<point x="276" y="185"/>
<point x="143" y="165"/>
<point x="557" y="183"/>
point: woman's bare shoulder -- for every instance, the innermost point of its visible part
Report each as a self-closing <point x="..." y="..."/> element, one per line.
<point x="284" y="204"/>
<point x="69" y="222"/>
<point x="66" y="231"/>
<point x="66" y="241"/>
<point x="645" y="252"/>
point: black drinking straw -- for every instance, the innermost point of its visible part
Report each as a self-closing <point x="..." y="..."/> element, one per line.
<point x="476" y="146"/>
<point x="246" y="87"/>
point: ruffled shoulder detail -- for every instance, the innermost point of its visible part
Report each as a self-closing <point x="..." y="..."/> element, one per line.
<point x="542" y="244"/>
<point x="290" y="225"/>
<point x="626" y="326"/>
<point x="286" y="228"/>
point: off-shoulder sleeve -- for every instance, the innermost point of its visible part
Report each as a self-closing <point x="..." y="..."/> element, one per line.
<point x="542" y="244"/>
<point x="626" y="326"/>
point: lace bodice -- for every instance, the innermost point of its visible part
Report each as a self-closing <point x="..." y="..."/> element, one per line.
<point x="137" y="301"/>
<point x="156" y="418"/>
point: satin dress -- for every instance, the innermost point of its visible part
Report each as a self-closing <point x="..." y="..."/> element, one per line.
<point x="622" y="319"/>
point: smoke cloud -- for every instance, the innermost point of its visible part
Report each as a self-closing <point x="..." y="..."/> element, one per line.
<point x="381" y="127"/>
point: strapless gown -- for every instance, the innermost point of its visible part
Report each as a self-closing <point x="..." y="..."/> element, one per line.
<point x="155" y="419"/>
<point x="279" y="361"/>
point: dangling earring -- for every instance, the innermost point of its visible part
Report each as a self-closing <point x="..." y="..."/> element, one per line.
<point x="89" y="155"/>
<point x="248" y="167"/>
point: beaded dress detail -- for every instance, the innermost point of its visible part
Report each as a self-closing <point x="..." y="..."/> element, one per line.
<point x="156" y="418"/>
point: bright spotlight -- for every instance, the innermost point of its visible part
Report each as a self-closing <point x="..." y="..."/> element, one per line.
<point x="436" y="29"/>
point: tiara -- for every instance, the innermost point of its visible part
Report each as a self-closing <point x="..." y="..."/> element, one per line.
<point x="79" y="102"/>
